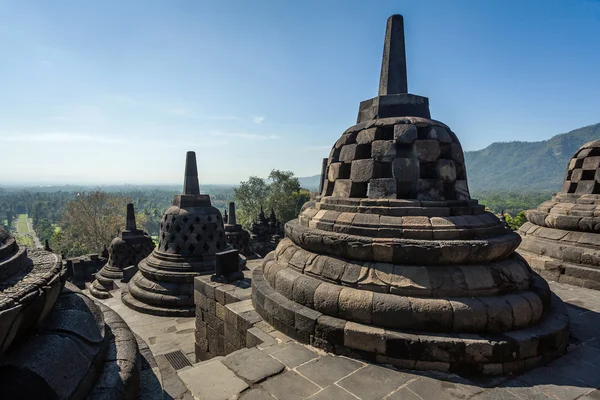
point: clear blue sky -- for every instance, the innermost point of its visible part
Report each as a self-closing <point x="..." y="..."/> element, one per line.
<point x="117" y="91"/>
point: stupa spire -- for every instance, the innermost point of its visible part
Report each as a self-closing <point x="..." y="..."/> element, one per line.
<point x="190" y="180"/>
<point x="393" y="78"/>
<point x="232" y="219"/>
<point x="130" y="223"/>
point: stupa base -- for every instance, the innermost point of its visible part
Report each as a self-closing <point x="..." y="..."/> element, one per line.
<point x="465" y="354"/>
<point x="161" y="311"/>
<point x="80" y="350"/>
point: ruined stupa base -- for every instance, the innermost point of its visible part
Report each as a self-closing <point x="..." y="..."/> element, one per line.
<point x="80" y="350"/>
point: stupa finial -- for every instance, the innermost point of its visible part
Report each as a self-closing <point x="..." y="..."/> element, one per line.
<point x="190" y="180"/>
<point x="232" y="219"/>
<point x="130" y="223"/>
<point x="393" y="78"/>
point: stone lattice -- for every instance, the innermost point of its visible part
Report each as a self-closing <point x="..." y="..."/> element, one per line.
<point x="191" y="233"/>
<point x="395" y="263"/>
<point x="561" y="239"/>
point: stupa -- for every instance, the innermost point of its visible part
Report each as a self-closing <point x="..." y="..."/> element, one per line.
<point x="127" y="249"/>
<point x="561" y="239"/>
<point x="191" y="232"/>
<point x="395" y="263"/>
<point x="56" y="343"/>
<point x="236" y="236"/>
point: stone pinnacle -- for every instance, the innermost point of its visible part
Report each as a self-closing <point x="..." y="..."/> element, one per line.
<point x="232" y="219"/>
<point x="130" y="223"/>
<point x="323" y="175"/>
<point x="393" y="78"/>
<point x="190" y="181"/>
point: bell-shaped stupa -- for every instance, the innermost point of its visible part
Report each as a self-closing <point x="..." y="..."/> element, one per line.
<point x="191" y="233"/>
<point x="395" y="262"/>
<point x="561" y="239"/>
<point x="129" y="248"/>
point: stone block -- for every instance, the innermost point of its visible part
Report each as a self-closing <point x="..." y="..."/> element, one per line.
<point x="252" y="365"/>
<point x="470" y="314"/>
<point x="333" y="268"/>
<point x="406" y="170"/>
<point x="369" y="135"/>
<point x="499" y="314"/>
<point x="435" y="314"/>
<point x="426" y="150"/>
<point x="363" y="337"/>
<point x="382" y="188"/>
<point x="338" y="170"/>
<point x="257" y="337"/>
<point x="383" y="150"/>
<point x="411" y="280"/>
<point x="129" y="272"/>
<point x="364" y="170"/>
<point x="349" y="188"/>
<point x="391" y="311"/>
<point x="440" y="134"/>
<point x="430" y="189"/>
<point x="304" y="291"/>
<point x="352" y="152"/>
<point x="446" y="170"/>
<point x="356" y="305"/>
<point x="404" y="133"/>
<point x="462" y="190"/>
<point x="591" y="163"/>
<point x="306" y="319"/>
<point x="457" y="153"/>
<point x="327" y="298"/>
<point x="330" y="329"/>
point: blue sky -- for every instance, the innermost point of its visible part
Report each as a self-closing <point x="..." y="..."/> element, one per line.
<point x="117" y="91"/>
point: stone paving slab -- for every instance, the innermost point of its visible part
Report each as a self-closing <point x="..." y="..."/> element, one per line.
<point x="252" y="364"/>
<point x="211" y="380"/>
<point x="312" y="374"/>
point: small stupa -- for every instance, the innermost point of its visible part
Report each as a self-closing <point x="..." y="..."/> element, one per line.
<point x="561" y="239"/>
<point x="191" y="232"/>
<point x="236" y="236"/>
<point x="395" y="263"/>
<point x="129" y="248"/>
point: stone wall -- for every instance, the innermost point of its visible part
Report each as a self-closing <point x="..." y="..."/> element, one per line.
<point x="225" y="318"/>
<point x="83" y="269"/>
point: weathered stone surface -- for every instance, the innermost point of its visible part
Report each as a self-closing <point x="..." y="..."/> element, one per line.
<point x="252" y="365"/>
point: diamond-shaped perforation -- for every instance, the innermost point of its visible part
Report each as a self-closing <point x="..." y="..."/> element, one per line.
<point x="211" y="237"/>
<point x="178" y="228"/>
<point x="185" y="220"/>
<point x="184" y="237"/>
<point x="173" y="219"/>
<point x="168" y="226"/>
<point x="209" y="218"/>
<point x="197" y="220"/>
<point x="192" y="229"/>
<point x="191" y="248"/>
<point x="206" y="246"/>
<point x="204" y="227"/>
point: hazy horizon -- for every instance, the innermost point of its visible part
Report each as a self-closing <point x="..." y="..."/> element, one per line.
<point x="111" y="93"/>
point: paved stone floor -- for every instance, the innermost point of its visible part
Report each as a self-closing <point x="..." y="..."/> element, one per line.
<point x="289" y="370"/>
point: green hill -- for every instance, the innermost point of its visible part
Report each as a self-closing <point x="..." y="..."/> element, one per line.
<point x="526" y="165"/>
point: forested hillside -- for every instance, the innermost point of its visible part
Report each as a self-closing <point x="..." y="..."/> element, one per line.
<point x="526" y="165"/>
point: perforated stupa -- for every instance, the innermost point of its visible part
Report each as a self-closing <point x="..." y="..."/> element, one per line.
<point x="395" y="262"/>
<point x="561" y="239"/>
<point x="191" y="233"/>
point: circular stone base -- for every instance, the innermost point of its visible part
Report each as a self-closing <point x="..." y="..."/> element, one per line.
<point x="467" y="354"/>
<point x="137" y="305"/>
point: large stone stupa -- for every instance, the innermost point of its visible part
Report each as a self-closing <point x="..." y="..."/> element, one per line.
<point x="395" y="262"/>
<point x="561" y="239"/>
<point x="56" y="343"/>
<point x="127" y="249"/>
<point x="191" y="233"/>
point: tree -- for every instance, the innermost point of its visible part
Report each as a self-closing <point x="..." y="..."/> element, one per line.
<point x="283" y="193"/>
<point x="249" y="197"/>
<point x="90" y="221"/>
<point x="516" y="222"/>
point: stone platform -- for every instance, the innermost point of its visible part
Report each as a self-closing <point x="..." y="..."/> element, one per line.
<point x="277" y="367"/>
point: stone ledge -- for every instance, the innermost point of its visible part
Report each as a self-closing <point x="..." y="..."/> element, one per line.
<point x="495" y="354"/>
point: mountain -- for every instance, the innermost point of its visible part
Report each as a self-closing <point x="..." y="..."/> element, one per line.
<point x="526" y="165"/>
<point x="310" y="182"/>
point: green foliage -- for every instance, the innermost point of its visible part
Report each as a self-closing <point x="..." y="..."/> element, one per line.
<point x="526" y="165"/>
<point x="283" y="193"/>
<point x="515" y="222"/>
<point x="511" y="202"/>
